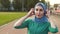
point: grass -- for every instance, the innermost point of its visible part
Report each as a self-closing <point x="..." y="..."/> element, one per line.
<point x="6" y="17"/>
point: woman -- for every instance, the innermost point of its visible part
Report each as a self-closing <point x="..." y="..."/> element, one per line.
<point x="39" y="23"/>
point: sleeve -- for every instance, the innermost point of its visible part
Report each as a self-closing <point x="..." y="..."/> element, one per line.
<point x="23" y="25"/>
<point x="53" y="30"/>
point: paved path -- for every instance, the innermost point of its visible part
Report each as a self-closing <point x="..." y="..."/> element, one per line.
<point x="8" y="29"/>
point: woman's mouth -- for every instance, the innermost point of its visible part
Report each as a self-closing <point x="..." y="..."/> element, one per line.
<point x="38" y="15"/>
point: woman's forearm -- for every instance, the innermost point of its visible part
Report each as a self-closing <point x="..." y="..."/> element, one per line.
<point x="19" y="22"/>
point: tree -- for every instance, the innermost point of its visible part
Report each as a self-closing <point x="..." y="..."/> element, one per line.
<point x="30" y="3"/>
<point x="17" y="4"/>
<point x="43" y="1"/>
<point x="56" y="5"/>
<point x="5" y="3"/>
<point x="27" y="4"/>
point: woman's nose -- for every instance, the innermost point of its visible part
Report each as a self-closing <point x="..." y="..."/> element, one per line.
<point x="38" y="12"/>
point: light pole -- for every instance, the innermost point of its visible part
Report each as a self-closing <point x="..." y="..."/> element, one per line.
<point x="11" y="5"/>
<point x="22" y="5"/>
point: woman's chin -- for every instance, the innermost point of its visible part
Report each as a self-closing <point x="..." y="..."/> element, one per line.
<point x="38" y="16"/>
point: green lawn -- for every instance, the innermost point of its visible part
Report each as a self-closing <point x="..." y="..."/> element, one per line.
<point x="6" y="17"/>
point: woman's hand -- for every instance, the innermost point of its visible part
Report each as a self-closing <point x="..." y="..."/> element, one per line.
<point x="19" y="22"/>
<point x="52" y="23"/>
<point x="30" y="13"/>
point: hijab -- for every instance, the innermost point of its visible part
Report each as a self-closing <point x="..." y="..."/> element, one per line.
<point x="44" y="18"/>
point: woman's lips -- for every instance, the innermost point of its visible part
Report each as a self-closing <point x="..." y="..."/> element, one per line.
<point x="38" y="15"/>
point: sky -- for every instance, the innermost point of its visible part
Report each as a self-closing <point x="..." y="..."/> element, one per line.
<point x="54" y="1"/>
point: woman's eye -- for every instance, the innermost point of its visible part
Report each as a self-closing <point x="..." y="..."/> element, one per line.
<point x="36" y="9"/>
<point x="41" y="9"/>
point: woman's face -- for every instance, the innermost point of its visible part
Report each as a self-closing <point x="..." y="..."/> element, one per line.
<point x="39" y="12"/>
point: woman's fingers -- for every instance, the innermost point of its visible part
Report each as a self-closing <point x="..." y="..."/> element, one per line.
<point x="31" y="12"/>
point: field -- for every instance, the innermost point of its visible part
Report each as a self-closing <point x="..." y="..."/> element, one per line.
<point x="6" y="17"/>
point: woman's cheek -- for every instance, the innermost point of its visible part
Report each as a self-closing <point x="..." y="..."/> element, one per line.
<point x="41" y="13"/>
<point x="36" y="13"/>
